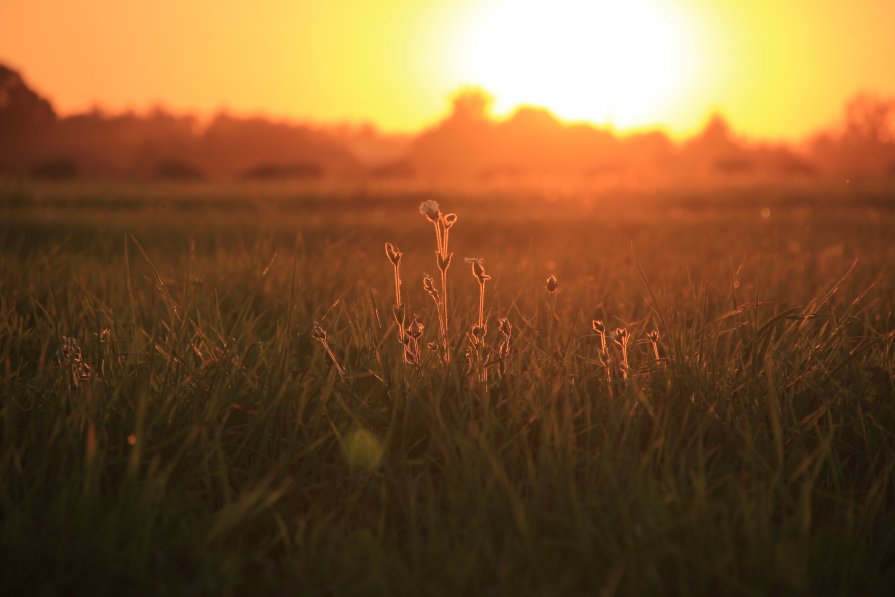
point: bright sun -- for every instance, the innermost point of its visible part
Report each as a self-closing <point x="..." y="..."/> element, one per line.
<point x="618" y="62"/>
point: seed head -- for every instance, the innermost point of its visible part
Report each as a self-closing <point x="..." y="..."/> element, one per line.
<point x="653" y="336"/>
<point x="478" y="331"/>
<point x="552" y="284"/>
<point x="429" y="287"/>
<point x="478" y="269"/>
<point x="430" y="209"/>
<point x="318" y="333"/>
<point x="415" y="329"/>
<point x="394" y="254"/>
<point x="443" y="262"/>
<point x="598" y="327"/>
<point x="621" y="335"/>
<point x="505" y="327"/>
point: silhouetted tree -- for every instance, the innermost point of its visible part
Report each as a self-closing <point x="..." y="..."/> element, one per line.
<point x="24" y="115"/>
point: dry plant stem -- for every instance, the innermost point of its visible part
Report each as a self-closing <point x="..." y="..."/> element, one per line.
<point x="442" y="224"/>
<point x="397" y="285"/>
<point x="444" y="309"/>
<point x="441" y="237"/>
<point x="481" y="303"/>
<point x="621" y="338"/>
<point x="605" y="356"/>
<point x="398" y="302"/>
<point x="483" y="376"/>
<point x="332" y="355"/>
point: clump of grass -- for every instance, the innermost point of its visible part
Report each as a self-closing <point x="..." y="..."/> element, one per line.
<point x="218" y="456"/>
<point x="71" y="359"/>
<point x="443" y="224"/>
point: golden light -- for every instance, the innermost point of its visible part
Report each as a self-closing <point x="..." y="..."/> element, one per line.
<point x="626" y="63"/>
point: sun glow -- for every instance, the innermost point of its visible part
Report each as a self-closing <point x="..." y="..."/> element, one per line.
<point x="625" y="63"/>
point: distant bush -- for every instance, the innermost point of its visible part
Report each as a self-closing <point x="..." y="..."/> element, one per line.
<point x="279" y="171"/>
<point x="59" y="168"/>
<point x="734" y="165"/>
<point x="178" y="170"/>
<point x="399" y="169"/>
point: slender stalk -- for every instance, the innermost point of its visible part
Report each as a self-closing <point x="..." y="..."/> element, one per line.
<point x="444" y="308"/>
<point x="332" y="355"/>
<point x="397" y="284"/>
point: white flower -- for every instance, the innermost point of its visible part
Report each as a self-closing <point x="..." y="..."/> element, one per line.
<point x="429" y="209"/>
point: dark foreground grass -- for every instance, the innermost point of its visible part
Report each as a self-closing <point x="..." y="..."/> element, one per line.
<point x="192" y="437"/>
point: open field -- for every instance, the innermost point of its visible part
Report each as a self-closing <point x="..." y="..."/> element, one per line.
<point x="193" y="436"/>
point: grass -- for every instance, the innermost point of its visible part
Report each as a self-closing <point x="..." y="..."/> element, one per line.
<point x="195" y="437"/>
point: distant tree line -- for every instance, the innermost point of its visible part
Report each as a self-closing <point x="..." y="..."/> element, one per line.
<point x="468" y="143"/>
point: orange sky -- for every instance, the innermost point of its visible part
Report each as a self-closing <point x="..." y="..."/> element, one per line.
<point x="777" y="69"/>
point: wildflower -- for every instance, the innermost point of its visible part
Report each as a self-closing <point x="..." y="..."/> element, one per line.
<point x="552" y="284"/>
<point x="505" y="327"/>
<point x="415" y="329"/>
<point x="429" y="287"/>
<point x="430" y="210"/>
<point x="478" y="269"/>
<point x="394" y="255"/>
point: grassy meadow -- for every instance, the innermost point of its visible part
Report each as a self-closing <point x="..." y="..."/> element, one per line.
<point x="171" y="422"/>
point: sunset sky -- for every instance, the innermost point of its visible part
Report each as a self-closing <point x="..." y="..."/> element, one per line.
<point x="777" y="69"/>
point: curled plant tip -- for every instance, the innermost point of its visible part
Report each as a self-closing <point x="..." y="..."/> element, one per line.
<point x="318" y="333"/>
<point x="443" y="261"/>
<point x="503" y="350"/>
<point x="412" y="335"/>
<point x="621" y="336"/>
<point x="552" y="284"/>
<point x="430" y="210"/>
<point x="600" y="328"/>
<point x="654" y="339"/>
<point x="429" y="287"/>
<point x="505" y="327"/>
<point x="442" y="224"/>
<point x="415" y="328"/>
<point x="478" y="269"/>
<point x="394" y="254"/>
